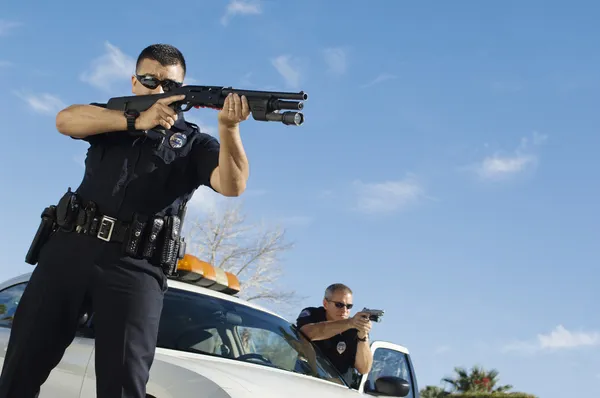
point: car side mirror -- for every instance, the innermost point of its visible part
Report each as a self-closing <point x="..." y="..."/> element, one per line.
<point x="389" y="386"/>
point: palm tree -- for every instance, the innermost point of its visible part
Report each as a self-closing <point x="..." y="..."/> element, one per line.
<point x="433" y="392"/>
<point x="478" y="380"/>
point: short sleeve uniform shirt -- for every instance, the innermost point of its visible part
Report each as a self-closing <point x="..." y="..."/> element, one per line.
<point x="126" y="173"/>
<point x="339" y="349"/>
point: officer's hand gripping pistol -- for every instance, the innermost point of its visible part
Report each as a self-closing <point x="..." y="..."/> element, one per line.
<point x="374" y="315"/>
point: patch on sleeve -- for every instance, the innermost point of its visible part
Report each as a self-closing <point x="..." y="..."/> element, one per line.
<point x="305" y="312"/>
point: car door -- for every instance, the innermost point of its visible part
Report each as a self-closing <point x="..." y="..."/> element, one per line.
<point x="390" y="360"/>
<point x="66" y="379"/>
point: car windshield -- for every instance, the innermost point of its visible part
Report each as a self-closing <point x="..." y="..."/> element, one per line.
<point x="198" y="323"/>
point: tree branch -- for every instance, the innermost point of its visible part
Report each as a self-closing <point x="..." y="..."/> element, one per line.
<point x="251" y="252"/>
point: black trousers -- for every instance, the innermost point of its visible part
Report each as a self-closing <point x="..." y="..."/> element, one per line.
<point x="77" y="273"/>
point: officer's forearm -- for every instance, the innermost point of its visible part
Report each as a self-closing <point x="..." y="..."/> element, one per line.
<point x="364" y="357"/>
<point x="325" y="330"/>
<point x="233" y="163"/>
<point x="84" y="120"/>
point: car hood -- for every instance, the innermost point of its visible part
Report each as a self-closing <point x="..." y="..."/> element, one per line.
<point x="243" y="379"/>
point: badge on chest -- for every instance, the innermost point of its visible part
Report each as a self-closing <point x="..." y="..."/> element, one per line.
<point x="341" y="347"/>
<point x="177" y="140"/>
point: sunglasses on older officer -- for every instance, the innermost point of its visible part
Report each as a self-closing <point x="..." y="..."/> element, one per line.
<point x="152" y="82"/>
<point x="341" y="305"/>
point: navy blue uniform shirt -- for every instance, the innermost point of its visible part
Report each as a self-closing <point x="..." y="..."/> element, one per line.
<point x="127" y="174"/>
<point x="339" y="349"/>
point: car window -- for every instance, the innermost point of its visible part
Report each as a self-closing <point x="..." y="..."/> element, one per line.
<point x="271" y="345"/>
<point x="210" y="343"/>
<point x="207" y="325"/>
<point x="387" y="362"/>
<point x="9" y="300"/>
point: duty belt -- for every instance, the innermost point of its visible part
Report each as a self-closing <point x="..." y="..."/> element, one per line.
<point x="154" y="238"/>
<point x="106" y="228"/>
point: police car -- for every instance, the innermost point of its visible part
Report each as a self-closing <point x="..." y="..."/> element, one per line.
<point x="215" y="345"/>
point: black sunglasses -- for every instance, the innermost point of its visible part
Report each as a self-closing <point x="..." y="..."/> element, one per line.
<point x="341" y="305"/>
<point x="152" y="82"/>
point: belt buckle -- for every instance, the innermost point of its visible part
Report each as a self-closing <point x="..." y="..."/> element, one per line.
<point x="105" y="230"/>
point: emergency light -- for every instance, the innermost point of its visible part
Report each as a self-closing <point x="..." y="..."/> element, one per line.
<point x="192" y="270"/>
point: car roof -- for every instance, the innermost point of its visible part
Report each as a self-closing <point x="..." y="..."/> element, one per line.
<point x="173" y="283"/>
<point x="213" y="293"/>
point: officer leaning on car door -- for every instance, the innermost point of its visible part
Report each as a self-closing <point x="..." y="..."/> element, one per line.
<point x="343" y="339"/>
<point x="118" y="237"/>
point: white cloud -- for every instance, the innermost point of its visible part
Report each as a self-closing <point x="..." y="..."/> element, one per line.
<point x="44" y="103"/>
<point x="240" y="7"/>
<point x="284" y="65"/>
<point x="380" y="79"/>
<point x="501" y="166"/>
<point x="111" y="67"/>
<point x="497" y="166"/>
<point x="204" y="201"/>
<point x="558" y="339"/>
<point x="336" y="60"/>
<point x="7" y="26"/>
<point x="387" y="197"/>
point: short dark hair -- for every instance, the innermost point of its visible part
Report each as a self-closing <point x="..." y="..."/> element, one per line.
<point x="336" y="287"/>
<point x="165" y="54"/>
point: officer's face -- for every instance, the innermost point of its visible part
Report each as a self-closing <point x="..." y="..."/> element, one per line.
<point x="336" y="307"/>
<point x="156" y="72"/>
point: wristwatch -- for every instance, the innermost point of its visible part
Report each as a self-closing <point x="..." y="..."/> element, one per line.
<point x="131" y="115"/>
<point x="363" y="339"/>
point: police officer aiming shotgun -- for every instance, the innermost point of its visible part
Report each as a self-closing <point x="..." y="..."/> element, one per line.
<point x="119" y="232"/>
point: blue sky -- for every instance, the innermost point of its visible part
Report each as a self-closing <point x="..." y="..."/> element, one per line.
<point x="447" y="170"/>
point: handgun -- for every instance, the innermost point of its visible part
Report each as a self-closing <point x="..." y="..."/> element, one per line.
<point x="45" y="229"/>
<point x="374" y="315"/>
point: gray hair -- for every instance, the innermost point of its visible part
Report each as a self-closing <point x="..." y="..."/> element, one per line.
<point x="336" y="287"/>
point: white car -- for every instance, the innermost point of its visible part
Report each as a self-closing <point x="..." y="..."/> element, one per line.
<point x="212" y="344"/>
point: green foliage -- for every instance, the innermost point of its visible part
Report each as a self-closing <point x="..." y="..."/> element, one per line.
<point x="433" y="392"/>
<point x="476" y="383"/>
<point x="491" y="395"/>
<point x="477" y="380"/>
<point x="437" y="392"/>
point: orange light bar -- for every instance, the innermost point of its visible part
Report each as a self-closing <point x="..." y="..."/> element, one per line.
<point x="200" y="273"/>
